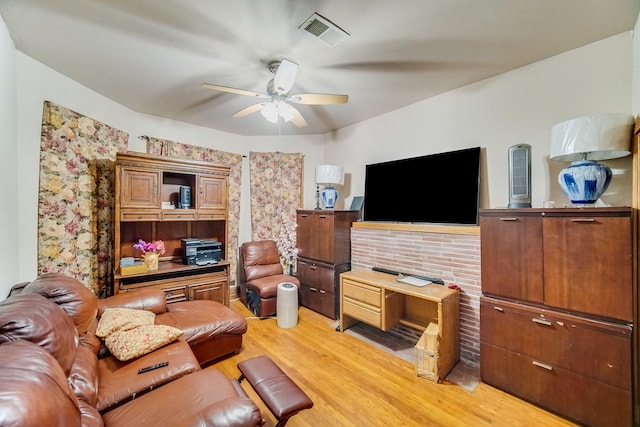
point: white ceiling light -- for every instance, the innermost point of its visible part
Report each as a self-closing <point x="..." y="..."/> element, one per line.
<point x="274" y="109"/>
<point x="320" y="27"/>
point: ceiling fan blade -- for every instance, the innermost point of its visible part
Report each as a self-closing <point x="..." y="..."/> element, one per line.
<point x="297" y="119"/>
<point x="249" y="110"/>
<point x="234" y="90"/>
<point x="318" y="98"/>
<point x="285" y="76"/>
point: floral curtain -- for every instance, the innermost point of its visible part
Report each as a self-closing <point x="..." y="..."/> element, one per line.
<point x="75" y="198"/>
<point x="233" y="161"/>
<point x="276" y="193"/>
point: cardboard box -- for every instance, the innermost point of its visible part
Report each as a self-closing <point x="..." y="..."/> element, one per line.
<point x="137" y="268"/>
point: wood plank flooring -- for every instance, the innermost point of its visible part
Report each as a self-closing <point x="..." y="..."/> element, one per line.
<point x="353" y="383"/>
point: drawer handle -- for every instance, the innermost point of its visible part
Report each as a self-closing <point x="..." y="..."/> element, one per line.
<point x="313" y="267"/>
<point x="313" y="289"/>
<point x="323" y="216"/>
<point x="583" y="220"/>
<point x="500" y="309"/>
<point x="543" y="365"/>
<point x="541" y="321"/>
<point x="508" y="219"/>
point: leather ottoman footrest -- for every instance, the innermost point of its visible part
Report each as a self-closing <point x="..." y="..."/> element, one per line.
<point x="282" y="396"/>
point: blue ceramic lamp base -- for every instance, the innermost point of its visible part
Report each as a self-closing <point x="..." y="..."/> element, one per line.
<point x="329" y="197"/>
<point x="585" y="181"/>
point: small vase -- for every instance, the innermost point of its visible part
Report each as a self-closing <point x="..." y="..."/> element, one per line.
<point x="150" y="259"/>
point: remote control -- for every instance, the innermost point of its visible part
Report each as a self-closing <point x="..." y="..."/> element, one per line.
<point x="152" y="367"/>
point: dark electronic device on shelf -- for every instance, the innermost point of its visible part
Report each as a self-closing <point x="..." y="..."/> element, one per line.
<point x="201" y="252"/>
<point x="184" y="197"/>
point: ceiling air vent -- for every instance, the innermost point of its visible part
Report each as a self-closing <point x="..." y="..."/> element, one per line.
<point x="320" y="27"/>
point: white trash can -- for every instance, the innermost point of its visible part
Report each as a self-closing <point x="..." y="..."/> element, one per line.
<point x="287" y="305"/>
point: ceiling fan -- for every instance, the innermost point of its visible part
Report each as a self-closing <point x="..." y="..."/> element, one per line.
<point x="278" y="98"/>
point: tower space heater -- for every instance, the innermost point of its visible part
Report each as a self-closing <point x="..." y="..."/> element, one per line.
<point x="520" y="176"/>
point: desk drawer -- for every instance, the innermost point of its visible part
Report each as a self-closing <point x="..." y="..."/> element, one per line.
<point x="360" y="292"/>
<point x="367" y="314"/>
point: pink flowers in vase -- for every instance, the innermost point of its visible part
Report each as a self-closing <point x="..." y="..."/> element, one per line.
<point x="157" y="246"/>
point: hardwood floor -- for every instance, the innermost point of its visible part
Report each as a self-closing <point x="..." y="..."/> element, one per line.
<point x="355" y="384"/>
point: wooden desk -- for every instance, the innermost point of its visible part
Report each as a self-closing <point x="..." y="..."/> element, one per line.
<point x="379" y="300"/>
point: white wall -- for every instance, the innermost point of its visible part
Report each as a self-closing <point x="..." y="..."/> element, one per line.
<point x="520" y="106"/>
<point x="8" y="167"/>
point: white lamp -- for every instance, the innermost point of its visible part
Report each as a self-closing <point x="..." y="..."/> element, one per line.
<point x="583" y="141"/>
<point x="328" y="175"/>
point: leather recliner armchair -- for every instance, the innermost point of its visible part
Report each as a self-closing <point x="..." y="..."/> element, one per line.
<point x="259" y="274"/>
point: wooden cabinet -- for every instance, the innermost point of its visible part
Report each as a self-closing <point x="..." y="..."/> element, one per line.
<point x="556" y="318"/>
<point x="213" y="193"/>
<point x="324" y="251"/>
<point x="379" y="300"/>
<point x="147" y="194"/>
<point x="139" y="189"/>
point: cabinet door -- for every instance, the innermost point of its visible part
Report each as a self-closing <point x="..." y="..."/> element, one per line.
<point x="588" y="265"/>
<point x="212" y="193"/>
<point x="511" y="252"/>
<point x="315" y="236"/>
<point x="210" y="291"/>
<point x="139" y="188"/>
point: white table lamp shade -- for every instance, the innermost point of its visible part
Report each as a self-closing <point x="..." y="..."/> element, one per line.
<point x="329" y="174"/>
<point x="597" y="137"/>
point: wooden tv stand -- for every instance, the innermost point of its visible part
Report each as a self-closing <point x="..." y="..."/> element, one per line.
<point x="379" y="300"/>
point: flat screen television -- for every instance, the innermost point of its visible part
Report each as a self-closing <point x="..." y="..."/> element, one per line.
<point x="441" y="188"/>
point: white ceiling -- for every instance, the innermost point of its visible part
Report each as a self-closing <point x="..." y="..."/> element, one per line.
<point x="153" y="55"/>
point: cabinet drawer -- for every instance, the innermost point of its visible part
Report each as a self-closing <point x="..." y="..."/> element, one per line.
<point x="318" y="300"/>
<point x="364" y="293"/>
<point x="581" y="398"/>
<point x="316" y="275"/>
<point x="175" y="293"/>
<point x="179" y="215"/>
<point x="602" y="349"/>
<point x="140" y="216"/>
<point x="211" y="215"/>
<point x="368" y="314"/>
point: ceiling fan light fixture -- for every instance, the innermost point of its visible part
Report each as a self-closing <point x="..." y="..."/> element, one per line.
<point x="270" y="112"/>
<point x="285" y="111"/>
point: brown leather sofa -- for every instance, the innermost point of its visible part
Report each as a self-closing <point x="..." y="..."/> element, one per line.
<point x="259" y="274"/>
<point x="50" y="372"/>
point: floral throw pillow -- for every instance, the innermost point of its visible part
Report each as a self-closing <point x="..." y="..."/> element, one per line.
<point x="132" y="343"/>
<point x="122" y="319"/>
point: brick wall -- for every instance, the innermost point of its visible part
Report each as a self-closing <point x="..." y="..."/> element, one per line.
<point x="455" y="258"/>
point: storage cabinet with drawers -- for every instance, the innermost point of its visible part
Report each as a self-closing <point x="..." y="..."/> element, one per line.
<point x="556" y="315"/>
<point x="324" y="251"/>
<point x="147" y="194"/>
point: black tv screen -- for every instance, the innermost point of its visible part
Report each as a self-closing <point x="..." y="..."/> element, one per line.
<point x="439" y="188"/>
